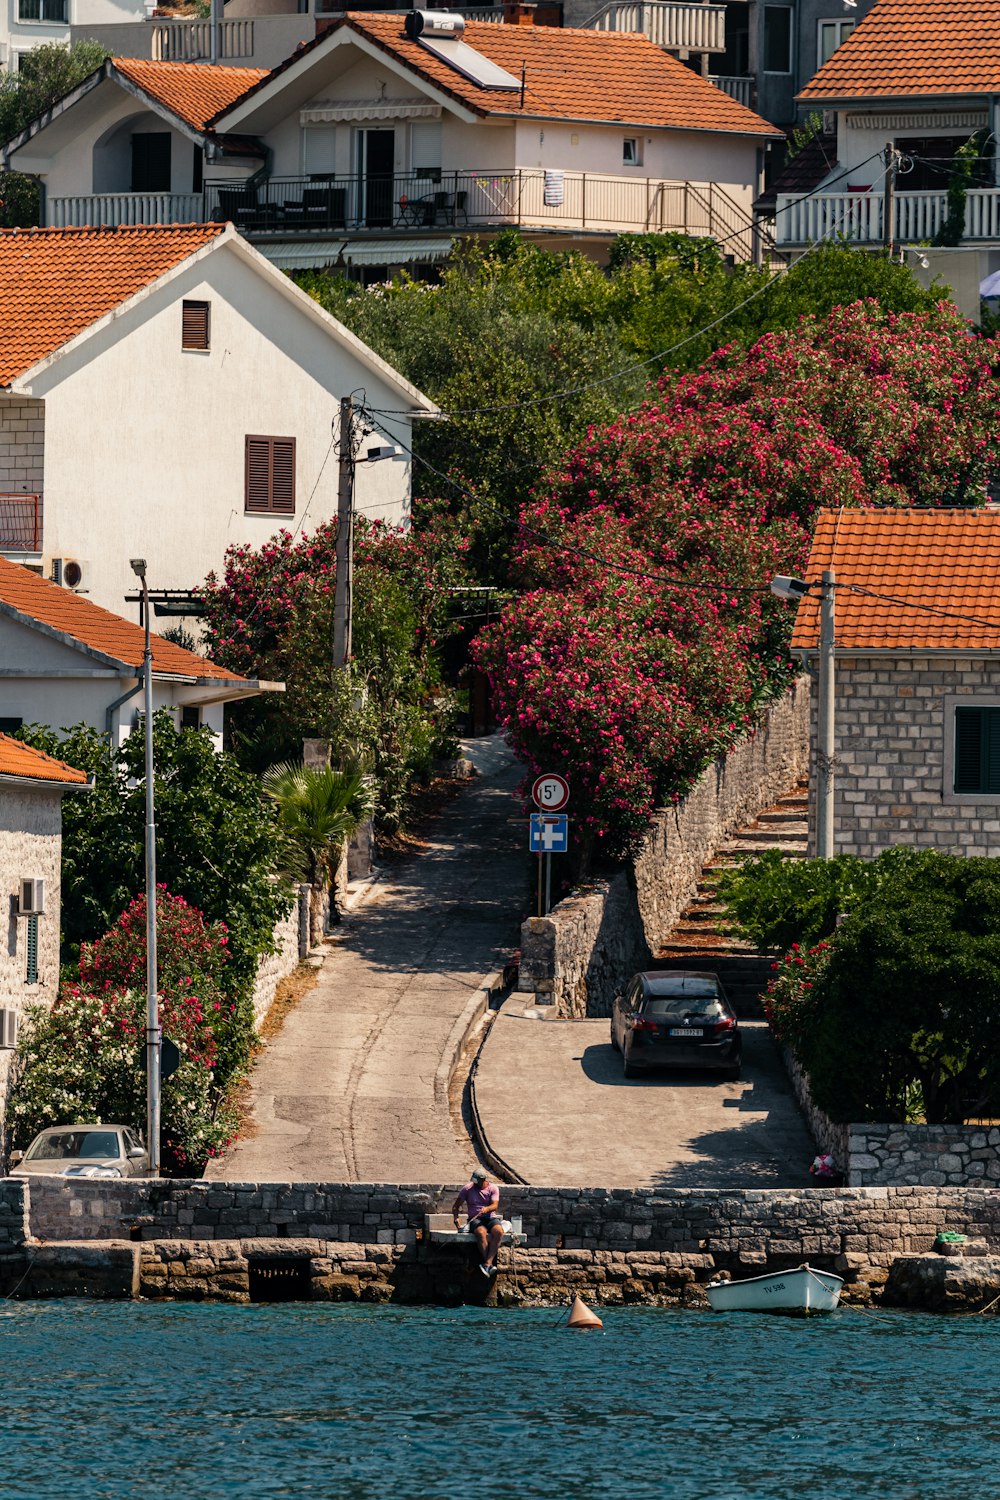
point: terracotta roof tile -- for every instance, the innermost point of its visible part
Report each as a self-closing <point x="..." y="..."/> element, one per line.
<point x="940" y="571"/>
<point x="55" y="282"/>
<point x="569" y="74"/>
<point x="74" y="616"/>
<point x="915" y="47"/>
<point x="194" y="92"/>
<point x="21" y="760"/>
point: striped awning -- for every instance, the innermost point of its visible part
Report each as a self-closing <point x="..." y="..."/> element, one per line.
<point x="307" y="256"/>
<point x="396" y="252"/>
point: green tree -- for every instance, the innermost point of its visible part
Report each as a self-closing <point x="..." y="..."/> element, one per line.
<point x="43" y="76"/>
<point x="776" y="902"/>
<point x="319" y="811"/>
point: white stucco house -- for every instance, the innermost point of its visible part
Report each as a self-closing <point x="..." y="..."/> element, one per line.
<point x="64" y="660"/>
<point x="26" y="24"/>
<point x="380" y="143"/>
<point x="32" y="786"/>
<point x="166" y="393"/>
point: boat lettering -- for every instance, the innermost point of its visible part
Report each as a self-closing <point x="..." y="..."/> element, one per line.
<point x="779" y="1286"/>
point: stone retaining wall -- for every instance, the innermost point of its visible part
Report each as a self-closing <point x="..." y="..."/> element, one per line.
<point x="576" y="957"/>
<point x="291" y="944"/>
<point x="931" y="1155"/>
<point x="13" y="1213"/>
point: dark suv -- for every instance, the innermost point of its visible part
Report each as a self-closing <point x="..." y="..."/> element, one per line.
<point x="676" y="1019"/>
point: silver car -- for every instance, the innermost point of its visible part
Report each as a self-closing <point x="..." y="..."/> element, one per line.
<point x="82" y="1151"/>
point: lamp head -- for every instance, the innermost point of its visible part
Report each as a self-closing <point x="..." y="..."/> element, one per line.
<point x="789" y="588"/>
<point x="138" y="566"/>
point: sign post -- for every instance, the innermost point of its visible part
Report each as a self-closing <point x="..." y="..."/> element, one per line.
<point x="548" y="834"/>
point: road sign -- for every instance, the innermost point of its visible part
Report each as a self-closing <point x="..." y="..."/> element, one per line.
<point x="550" y="793"/>
<point x="549" y="833"/>
<point x="170" y="1058"/>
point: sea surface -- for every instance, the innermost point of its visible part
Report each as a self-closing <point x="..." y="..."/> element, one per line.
<point x="110" y="1401"/>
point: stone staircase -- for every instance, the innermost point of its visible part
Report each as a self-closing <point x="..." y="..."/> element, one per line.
<point x="700" y="940"/>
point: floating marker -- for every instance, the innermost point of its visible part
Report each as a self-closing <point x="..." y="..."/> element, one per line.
<point x="581" y="1316"/>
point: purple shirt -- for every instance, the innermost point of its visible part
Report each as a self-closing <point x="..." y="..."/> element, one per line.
<point x="477" y="1199"/>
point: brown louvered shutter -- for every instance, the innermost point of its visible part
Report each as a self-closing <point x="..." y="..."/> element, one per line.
<point x="194" y="325"/>
<point x="270" y="475"/>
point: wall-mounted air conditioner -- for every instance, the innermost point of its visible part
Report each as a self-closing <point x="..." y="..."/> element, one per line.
<point x="71" y="572"/>
<point x="8" y="1028"/>
<point x="31" y="902"/>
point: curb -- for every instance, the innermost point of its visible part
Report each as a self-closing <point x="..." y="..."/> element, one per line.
<point x="365" y="887"/>
<point x="472" y="1013"/>
<point x="492" y="1159"/>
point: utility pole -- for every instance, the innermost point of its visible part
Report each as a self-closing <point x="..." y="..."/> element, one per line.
<point x="826" y="747"/>
<point x="891" y="158"/>
<point x="153" y="1034"/>
<point x="345" y="539"/>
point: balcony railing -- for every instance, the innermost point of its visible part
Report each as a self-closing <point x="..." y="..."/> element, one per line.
<point x="740" y="89"/>
<point x="191" y="41"/>
<point x="20" y="523"/>
<point x="858" y="216"/>
<point x="126" y="208"/>
<point x="491" y="198"/>
<point x="674" y="27"/>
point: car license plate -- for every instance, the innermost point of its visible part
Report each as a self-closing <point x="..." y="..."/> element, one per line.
<point x="685" y="1031"/>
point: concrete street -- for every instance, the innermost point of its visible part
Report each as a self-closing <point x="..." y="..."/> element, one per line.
<point x="345" y="1092"/>
<point x="558" y="1110"/>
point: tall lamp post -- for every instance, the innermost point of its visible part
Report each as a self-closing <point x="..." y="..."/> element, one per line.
<point x="795" y="589"/>
<point x="153" y="1037"/>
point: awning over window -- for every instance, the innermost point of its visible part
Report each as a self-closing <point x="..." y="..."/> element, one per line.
<point x="308" y="256"/>
<point x="396" y="252"/>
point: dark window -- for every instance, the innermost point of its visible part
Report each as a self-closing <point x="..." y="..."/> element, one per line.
<point x="10" y="726"/>
<point x="190" y="716"/>
<point x="777" y="39"/>
<point x="270" y="475"/>
<point x="31" y="936"/>
<point x="194" y="325"/>
<point x="196" y="170"/>
<point x="977" y="750"/>
<point x="151" y="162"/>
<point x="56" y="11"/>
<point x="932" y="159"/>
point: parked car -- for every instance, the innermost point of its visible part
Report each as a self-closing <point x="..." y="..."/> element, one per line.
<point x="676" y="1019"/>
<point x="82" y="1151"/>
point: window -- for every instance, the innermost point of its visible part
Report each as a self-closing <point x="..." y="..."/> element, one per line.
<point x="190" y="716"/>
<point x="31" y="940"/>
<point x="632" y="151"/>
<point x="194" y="325"/>
<point x="10" y="726"/>
<point x="977" y="750"/>
<point x="56" y="12"/>
<point x="831" y="34"/>
<point x="777" y="39"/>
<point x="270" y="475"/>
<point x="151" y="162"/>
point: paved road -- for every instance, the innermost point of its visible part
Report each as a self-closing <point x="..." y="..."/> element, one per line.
<point x="345" y="1092"/>
<point x="556" y="1107"/>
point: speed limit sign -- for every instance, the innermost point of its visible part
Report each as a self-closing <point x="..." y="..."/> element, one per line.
<point x="550" y="793"/>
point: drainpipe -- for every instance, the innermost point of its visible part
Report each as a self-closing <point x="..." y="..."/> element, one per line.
<point x="112" y="709"/>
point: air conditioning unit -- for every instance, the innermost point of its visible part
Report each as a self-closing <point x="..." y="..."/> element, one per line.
<point x="32" y="899"/>
<point x="70" y="572"/>
<point x="8" y="1028"/>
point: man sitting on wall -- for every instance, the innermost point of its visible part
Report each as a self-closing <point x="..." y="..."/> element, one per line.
<point x="481" y="1201"/>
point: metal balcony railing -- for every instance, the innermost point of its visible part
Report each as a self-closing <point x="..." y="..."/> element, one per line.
<point x="674" y="27"/>
<point x="20" y="523"/>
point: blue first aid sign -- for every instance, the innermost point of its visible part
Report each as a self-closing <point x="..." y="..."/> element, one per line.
<point x="549" y="833"/>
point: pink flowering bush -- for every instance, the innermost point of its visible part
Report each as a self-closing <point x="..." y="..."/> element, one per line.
<point x="790" y="998"/>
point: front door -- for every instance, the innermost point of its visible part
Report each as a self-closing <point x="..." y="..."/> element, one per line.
<point x="376" y="159"/>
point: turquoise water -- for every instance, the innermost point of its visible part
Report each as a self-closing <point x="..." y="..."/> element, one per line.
<point x="128" y="1401"/>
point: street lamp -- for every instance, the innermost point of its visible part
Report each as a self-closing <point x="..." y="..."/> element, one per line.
<point x="796" y="589"/>
<point x="138" y="565"/>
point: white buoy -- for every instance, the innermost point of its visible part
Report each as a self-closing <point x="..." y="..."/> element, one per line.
<point x="581" y="1316"/>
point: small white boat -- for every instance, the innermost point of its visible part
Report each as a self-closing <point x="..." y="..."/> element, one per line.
<point x="802" y="1291"/>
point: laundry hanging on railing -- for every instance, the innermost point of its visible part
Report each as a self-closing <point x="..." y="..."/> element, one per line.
<point x="554" y="189"/>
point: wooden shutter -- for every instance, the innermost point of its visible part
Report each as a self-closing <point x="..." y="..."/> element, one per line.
<point x="270" y="475"/>
<point x="194" y="325"/>
<point x="969" y="728"/>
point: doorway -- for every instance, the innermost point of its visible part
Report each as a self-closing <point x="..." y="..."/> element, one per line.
<point x="376" y="159"/>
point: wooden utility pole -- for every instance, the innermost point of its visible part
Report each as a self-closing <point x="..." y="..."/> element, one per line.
<point x="345" y="539"/>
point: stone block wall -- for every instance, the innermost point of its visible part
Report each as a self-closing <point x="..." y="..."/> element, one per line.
<point x="894" y="731"/>
<point x="291" y="944"/>
<point x="13" y="1213"/>
<point x="576" y="957"/>
<point x="22" y="444"/>
<point x="930" y="1155"/>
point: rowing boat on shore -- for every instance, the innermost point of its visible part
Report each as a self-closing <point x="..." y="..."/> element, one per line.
<point x="804" y="1290"/>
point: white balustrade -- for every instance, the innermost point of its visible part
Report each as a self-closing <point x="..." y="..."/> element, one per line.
<point x="675" y="27"/>
<point x="191" y="41"/>
<point x="125" y="208"/>
<point x="740" y="89"/>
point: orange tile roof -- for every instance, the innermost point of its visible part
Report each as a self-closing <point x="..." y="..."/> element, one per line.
<point x="937" y="570"/>
<point x="915" y="47"/>
<point x="569" y="74"/>
<point x="72" y="615"/>
<point x="55" y="282"/>
<point x="21" y="760"/>
<point x="194" y="92"/>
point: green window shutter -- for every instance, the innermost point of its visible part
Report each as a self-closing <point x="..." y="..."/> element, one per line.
<point x="31" y="937"/>
<point x="991" y="750"/>
<point x="977" y="750"/>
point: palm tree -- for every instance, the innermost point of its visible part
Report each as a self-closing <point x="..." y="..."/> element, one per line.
<point x="319" y="811"/>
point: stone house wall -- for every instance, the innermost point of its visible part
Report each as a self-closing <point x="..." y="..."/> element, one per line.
<point x="30" y="843"/>
<point x="22" y="444"/>
<point x="894" y="738"/>
<point x="576" y="957"/>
